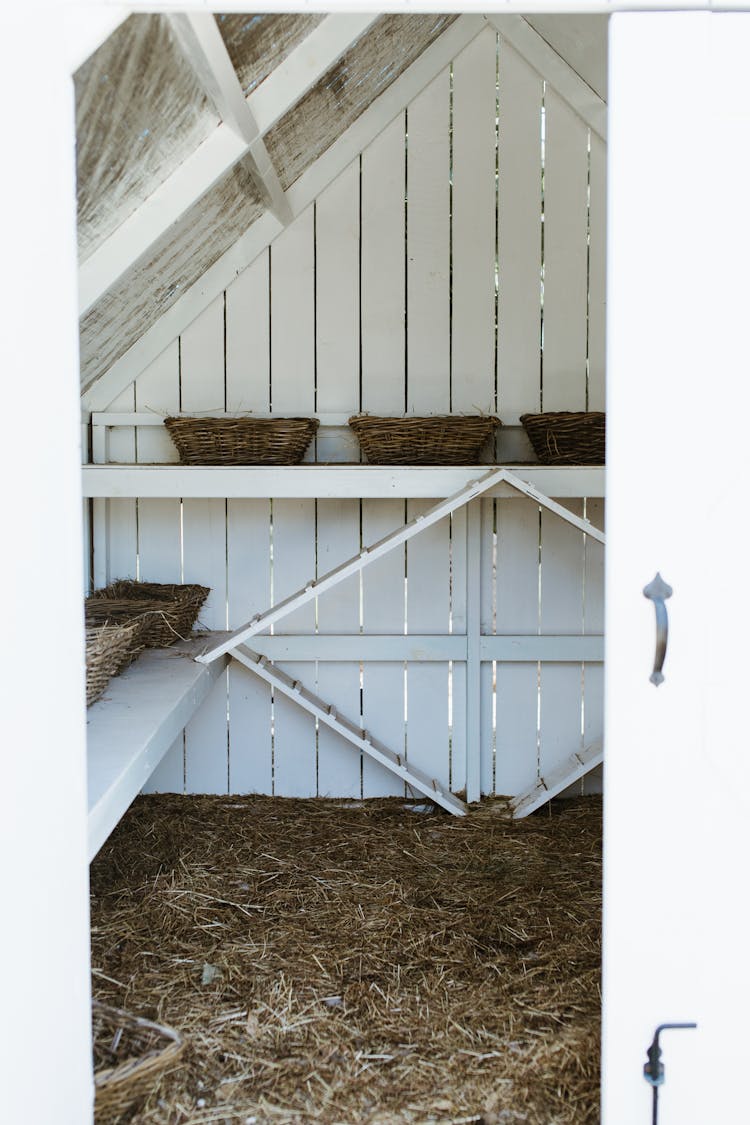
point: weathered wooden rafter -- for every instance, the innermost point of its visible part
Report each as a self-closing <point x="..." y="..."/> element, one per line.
<point x="204" y="48"/>
<point x="221" y="150"/>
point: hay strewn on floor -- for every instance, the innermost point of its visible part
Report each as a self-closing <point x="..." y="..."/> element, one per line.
<point x="342" y="962"/>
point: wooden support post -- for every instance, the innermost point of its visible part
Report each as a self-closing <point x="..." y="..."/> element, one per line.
<point x="473" y="654"/>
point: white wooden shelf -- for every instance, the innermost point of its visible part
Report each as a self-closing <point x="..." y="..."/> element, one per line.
<point x="130" y="729"/>
<point x="327" y="481"/>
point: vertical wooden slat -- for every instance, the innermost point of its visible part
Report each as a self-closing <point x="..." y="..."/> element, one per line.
<point x="248" y="359"/>
<point x="121" y="550"/>
<point x="459" y="616"/>
<point x="427" y="611"/>
<point x="339" y="766"/>
<point x="295" y="760"/>
<point x="597" y="272"/>
<point x="565" y="257"/>
<point x="519" y="240"/>
<point x="204" y="550"/>
<point x="487" y="693"/>
<point x="593" y="619"/>
<point x="383" y="177"/>
<point x="292" y="318"/>
<point x="517" y="612"/>
<point x="383" y="608"/>
<point x="248" y="592"/>
<point x="473" y="664"/>
<point x="337" y="311"/>
<point x="473" y="248"/>
<point x="561" y="611"/>
<point x="157" y="390"/>
<point x="248" y="387"/>
<point x="428" y="249"/>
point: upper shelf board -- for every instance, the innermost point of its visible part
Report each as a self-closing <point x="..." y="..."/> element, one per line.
<point x="327" y="481"/>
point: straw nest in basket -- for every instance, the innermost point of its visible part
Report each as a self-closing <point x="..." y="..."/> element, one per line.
<point x="130" y="1056"/>
<point x="241" y="441"/>
<point x="166" y="611"/>
<point x="567" y="437"/>
<point x="109" y="648"/>
<point x="449" y="439"/>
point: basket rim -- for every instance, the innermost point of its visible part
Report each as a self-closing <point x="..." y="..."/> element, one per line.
<point x="131" y="1067"/>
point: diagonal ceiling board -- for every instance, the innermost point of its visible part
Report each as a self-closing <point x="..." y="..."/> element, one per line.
<point x="214" y="157"/>
<point x="205" y="50"/>
<point x="554" y="69"/>
<point x="104" y="385"/>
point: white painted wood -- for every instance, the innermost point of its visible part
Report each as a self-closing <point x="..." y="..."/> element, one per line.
<point x="305" y="66"/>
<point x="458" y="626"/>
<point x="428" y="249"/>
<point x="328" y="481"/>
<point x="427" y="647"/>
<point x="593" y="622"/>
<point x="206" y="52"/>
<point x="314" y="587"/>
<point x="134" y="724"/>
<point x="565" y="257"/>
<point x="582" y="41"/>
<point x="157" y="394"/>
<point x="102" y="421"/>
<point x="556" y="780"/>
<point x="337" y="312"/>
<point x="517" y="612"/>
<point x="597" y="274"/>
<point x="474" y="217"/>
<point x="557" y="72"/>
<point x="487" y="625"/>
<point x="248" y="339"/>
<point x="326" y="713"/>
<point x="560" y="611"/>
<point x="337" y="530"/>
<point x="473" y="655"/>
<point x="294" y="757"/>
<point x="293" y="317"/>
<point x="85" y="28"/>
<point x="249" y="589"/>
<point x="383" y="268"/>
<point x="115" y="521"/>
<point x="383" y="611"/>
<point x="300" y="195"/>
<point x="45" y="938"/>
<point x="519" y="238"/>
<point x="428" y="611"/>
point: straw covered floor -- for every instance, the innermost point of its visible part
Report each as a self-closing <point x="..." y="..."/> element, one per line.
<point x="346" y="962"/>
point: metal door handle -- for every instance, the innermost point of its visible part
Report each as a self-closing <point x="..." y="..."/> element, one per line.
<point x="658" y="591"/>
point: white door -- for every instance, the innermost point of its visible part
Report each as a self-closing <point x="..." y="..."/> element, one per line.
<point x="678" y="756"/>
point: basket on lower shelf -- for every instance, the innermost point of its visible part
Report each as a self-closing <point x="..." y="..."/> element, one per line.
<point x="567" y="437"/>
<point x="166" y="611"/>
<point x="450" y="439"/>
<point x="109" y="649"/>
<point x="241" y="441"/>
<point x="130" y="1056"/>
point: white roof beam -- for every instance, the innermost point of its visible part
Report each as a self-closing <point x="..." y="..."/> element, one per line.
<point x="554" y="69"/>
<point x="99" y="393"/>
<point x="301" y="70"/>
<point x="204" y="48"/>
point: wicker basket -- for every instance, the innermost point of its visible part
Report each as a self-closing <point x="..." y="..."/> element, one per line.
<point x="567" y="437"/>
<point x="165" y="612"/>
<point x="439" y="440"/>
<point x="241" y="441"/>
<point x="130" y="1056"/>
<point x="109" y="649"/>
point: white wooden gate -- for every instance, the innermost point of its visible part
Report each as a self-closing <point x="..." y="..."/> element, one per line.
<point x="456" y="266"/>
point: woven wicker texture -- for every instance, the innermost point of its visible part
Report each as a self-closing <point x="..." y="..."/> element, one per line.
<point x="109" y="649"/>
<point x="165" y="612"/>
<point x="241" y="441"/>
<point x="130" y="1055"/>
<point x="567" y="437"/>
<point x="440" y="440"/>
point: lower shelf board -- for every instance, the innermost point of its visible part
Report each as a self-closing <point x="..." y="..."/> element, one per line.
<point x="130" y="729"/>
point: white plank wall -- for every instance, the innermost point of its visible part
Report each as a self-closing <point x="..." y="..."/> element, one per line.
<point x="419" y="281"/>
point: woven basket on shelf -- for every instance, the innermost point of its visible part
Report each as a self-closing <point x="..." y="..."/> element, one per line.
<point x="567" y="437"/>
<point x="130" y="1056"/>
<point x="109" y="649"/>
<point x="166" y="611"/>
<point x="438" y="440"/>
<point x="241" y="441"/>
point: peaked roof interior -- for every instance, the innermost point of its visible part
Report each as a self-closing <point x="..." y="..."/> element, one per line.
<point x="143" y="107"/>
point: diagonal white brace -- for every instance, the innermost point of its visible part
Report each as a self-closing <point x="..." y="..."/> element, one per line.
<point x="552" y="506"/>
<point x="359" y="562"/>
<point x="545" y="788"/>
<point x="359" y="739"/>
